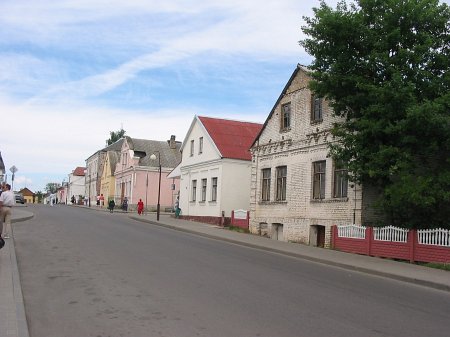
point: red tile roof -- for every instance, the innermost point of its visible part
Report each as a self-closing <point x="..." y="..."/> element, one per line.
<point x="79" y="171"/>
<point x="232" y="138"/>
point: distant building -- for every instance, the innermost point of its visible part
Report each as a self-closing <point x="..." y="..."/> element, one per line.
<point x="29" y="196"/>
<point x="76" y="185"/>
<point x="137" y="174"/>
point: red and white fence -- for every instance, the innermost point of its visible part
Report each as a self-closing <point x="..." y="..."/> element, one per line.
<point x="430" y="245"/>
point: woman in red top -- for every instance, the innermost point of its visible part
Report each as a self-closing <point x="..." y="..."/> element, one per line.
<point x="140" y="207"/>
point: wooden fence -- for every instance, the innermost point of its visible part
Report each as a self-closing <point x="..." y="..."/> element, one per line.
<point x="393" y="242"/>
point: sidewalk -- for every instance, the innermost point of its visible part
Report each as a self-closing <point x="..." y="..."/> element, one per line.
<point x="12" y="312"/>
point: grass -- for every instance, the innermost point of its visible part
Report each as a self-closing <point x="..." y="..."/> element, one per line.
<point x="443" y="266"/>
<point x="238" y="229"/>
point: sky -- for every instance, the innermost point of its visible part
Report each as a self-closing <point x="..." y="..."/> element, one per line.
<point x="71" y="71"/>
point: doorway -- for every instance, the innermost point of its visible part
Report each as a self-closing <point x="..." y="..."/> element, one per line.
<point x="277" y="232"/>
<point x="317" y="236"/>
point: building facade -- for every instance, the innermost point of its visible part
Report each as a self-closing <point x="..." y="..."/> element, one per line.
<point x="215" y="168"/>
<point x="137" y="173"/>
<point x="297" y="191"/>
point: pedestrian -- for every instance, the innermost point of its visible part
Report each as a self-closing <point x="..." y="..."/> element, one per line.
<point x="7" y="201"/>
<point x="125" y="204"/>
<point x="140" y="207"/>
<point x="111" y="205"/>
<point x="102" y="200"/>
<point x="98" y="200"/>
<point x="73" y="200"/>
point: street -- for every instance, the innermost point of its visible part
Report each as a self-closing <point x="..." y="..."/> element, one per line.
<point x="89" y="273"/>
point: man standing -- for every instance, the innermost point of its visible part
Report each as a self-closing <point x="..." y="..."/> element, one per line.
<point x="7" y="200"/>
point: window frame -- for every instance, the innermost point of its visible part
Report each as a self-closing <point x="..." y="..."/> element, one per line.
<point x="200" y="145"/>
<point x="214" y="183"/>
<point x="281" y="183"/>
<point x="194" y="190"/>
<point x="286" y="116"/>
<point x="316" y="108"/>
<point x="266" y="181"/>
<point x="319" y="179"/>
<point x="204" y="187"/>
<point x="340" y="180"/>
<point x="192" y="147"/>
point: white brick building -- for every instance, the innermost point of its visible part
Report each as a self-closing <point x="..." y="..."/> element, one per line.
<point x="297" y="191"/>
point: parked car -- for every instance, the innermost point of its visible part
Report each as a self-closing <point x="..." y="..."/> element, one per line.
<point x="19" y="198"/>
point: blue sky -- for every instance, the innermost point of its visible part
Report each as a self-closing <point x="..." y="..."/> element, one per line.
<point x="71" y="71"/>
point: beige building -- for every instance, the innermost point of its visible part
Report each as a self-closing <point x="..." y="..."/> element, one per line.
<point x="297" y="191"/>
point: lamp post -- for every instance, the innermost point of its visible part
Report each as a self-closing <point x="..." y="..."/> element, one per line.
<point x="13" y="170"/>
<point x="153" y="157"/>
<point x="89" y="184"/>
<point x="354" y="203"/>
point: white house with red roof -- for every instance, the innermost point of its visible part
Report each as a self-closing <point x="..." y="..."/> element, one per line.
<point x="215" y="168"/>
<point x="75" y="186"/>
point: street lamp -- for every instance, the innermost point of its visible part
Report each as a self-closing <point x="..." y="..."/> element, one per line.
<point x="85" y="177"/>
<point x="13" y="170"/>
<point x="354" y="203"/>
<point x="153" y="157"/>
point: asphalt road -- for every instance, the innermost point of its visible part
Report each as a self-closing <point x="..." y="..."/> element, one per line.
<point x="87" y="273"/>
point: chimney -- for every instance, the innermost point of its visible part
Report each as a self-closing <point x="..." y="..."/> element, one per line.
<point x="172" y="143"/>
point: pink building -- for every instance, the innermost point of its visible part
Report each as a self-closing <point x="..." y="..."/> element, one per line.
<point x="137" y="172"/>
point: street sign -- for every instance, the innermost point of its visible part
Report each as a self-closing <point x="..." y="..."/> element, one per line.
<point x="13" y="169"/>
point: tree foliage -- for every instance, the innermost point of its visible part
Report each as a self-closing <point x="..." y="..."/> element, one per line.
<point x="52" y="187"/>
<point x="114" y="136"/>
<point x="384" y="65"/>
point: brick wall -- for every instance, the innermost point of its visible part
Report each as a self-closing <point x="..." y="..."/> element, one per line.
<point x="297" y="148"/>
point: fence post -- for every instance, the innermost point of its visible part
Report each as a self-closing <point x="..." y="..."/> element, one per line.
<point x="248" y="219"/>
<point x="369" y="238"/>
<point x="333" y="236"/>
<point x="412" y="239"/>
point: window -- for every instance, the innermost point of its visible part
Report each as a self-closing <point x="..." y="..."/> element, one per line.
<point x="340" y="180"/>
<point x="200" y="145"/>
<point x="192" y="148"/>
<point x="281" y="183"/>
<point x="214" y="189"/>
<point x="319" y="180"/>
<point x="194" y="190"/>
<point x="286" y="116"/>
<point x="265" y="187"/>
<point x="203" y="189"/>
<point x="316" y="109"/>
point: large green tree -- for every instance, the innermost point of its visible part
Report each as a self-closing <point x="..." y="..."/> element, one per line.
<point x="384" y="65"/>
<point x="114" y="136"/>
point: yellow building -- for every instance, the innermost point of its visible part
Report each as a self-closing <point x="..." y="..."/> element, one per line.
<point x="28" y="195"/>
<point x="107" y="180"/>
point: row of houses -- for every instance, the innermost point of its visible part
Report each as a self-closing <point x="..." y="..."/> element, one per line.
<point x="279" y="171"/>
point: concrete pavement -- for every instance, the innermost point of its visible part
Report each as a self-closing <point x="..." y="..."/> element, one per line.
<point x="402" y="271"/>
<point x="13" y="322"/>
<point x="12" y="314"/>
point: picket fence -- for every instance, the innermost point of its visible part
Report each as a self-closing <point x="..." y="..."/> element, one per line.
<point x="436" y="237"/>
<point x="426" y="245"/>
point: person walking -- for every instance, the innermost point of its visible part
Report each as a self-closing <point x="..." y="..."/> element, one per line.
<point x="140" y="207"/>
<point x="111" y="205"/>
<point x="7" y="201"/>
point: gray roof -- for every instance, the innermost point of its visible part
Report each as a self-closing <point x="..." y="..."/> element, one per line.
<point x="113" y="160"/>
<point x="144" y="148"/>
<point x="117" y="146"/>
